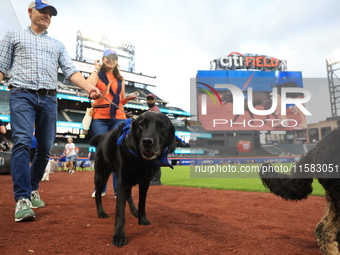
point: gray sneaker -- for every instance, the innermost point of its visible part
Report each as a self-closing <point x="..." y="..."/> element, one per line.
<point x="23" y="210"/>
<point x="36" y="201"/>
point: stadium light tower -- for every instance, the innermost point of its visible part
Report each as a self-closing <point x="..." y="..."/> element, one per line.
<point x="333" y="76"/>
<point x="94" y="43"/>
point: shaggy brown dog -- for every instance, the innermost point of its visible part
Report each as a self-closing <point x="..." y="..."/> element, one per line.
<point x="323" y="163"/>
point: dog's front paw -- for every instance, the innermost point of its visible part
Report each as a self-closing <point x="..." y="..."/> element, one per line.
<point x="144" y="221"/>
<point x="119" y="240"/>
<point x="103" y="215"/>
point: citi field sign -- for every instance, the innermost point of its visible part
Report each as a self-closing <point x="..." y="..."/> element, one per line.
<point x="236" y="60"/>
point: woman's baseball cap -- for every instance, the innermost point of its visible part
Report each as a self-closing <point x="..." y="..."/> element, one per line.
<point x="40" y="4"/>
<point x="109" y="52"/>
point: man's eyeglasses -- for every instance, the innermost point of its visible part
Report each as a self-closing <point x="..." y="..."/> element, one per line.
<point x="150" y="98"/>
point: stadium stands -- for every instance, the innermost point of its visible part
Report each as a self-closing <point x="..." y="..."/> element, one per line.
<point x="273" y="150"/>
<point x="293" y="148"/>
<point x="310" y="146"/>
<point x="4" y="108"/>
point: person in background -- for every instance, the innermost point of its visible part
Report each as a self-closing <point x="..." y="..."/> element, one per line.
<point x="91" y="156"/>
<point x="33" y="59"/>
<point x="75" y="161"/>
<point x="62" y="160"/>
<point x="108" y="80"/>
<point x="151" y="101"/>
<point x="70" y="151"/>
<point x="3" y="130"/>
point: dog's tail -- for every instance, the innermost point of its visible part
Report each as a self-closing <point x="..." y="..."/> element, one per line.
<point x="95" y="140"/>
<point x="295" y="186"/>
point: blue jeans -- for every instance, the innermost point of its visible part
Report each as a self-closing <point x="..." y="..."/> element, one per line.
<point x="99" y="127"/>
<point x="26" y="109"/>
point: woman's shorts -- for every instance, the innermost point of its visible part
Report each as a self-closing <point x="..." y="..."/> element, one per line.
<point x="70" y="158"/>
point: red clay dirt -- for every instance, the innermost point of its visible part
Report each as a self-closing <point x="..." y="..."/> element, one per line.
<point x="183" y="221"/>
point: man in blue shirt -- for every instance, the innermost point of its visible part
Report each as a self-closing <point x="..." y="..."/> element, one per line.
<point x="33" y="59"/>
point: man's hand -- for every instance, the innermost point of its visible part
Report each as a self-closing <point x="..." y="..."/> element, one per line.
<point x="79" y="81"/>
<point x="94" y="92"/>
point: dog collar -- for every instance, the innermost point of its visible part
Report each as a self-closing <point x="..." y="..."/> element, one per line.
<point x="163" y="161"/>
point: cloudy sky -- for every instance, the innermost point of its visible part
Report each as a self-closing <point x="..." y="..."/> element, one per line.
<point x="176" y="38"/>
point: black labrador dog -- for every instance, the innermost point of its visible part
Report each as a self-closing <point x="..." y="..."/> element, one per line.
<point x="143" y="148"/>
<point x="259" y="98"/>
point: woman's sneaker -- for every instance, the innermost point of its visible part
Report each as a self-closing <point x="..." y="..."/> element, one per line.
<point x="36" y="201"/>
<point x="94" y="194"/>
<point x="23" y="210"/>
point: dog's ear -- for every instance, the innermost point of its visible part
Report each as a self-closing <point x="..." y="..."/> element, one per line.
<point x="172" y="138"/>
<point x="132" y="139"/>
<point x="95" y="140"/>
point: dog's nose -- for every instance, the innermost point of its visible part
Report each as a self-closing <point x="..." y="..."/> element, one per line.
<point x="148" y="141"/>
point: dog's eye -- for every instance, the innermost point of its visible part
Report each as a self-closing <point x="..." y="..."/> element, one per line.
<point x="141" y="125"/>
<point x="162" y="127"/>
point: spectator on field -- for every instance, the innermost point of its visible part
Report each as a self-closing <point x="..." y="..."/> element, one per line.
<point x="75" y="161"/>
<point x="91" y="157"/>
<point x="70" y="151"/>
<point x="33" y="59"/>
<point x="108" y="80"/>
<point x="62" y="160"/>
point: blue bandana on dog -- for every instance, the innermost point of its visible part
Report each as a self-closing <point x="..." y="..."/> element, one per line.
<point x="163" y="161"/>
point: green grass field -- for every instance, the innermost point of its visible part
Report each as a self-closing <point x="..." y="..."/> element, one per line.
<point x="180" y="176"/>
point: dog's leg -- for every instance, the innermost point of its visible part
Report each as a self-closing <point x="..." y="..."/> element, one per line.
<point x="100" y="179"/>
<point x="235" y="118"/>
<point x="251" y="116"/>
<point x="133" y="209"/>
<point x="274" y="115"/>
<point x="119" y="236"/>
<point x="143" y="190"/>
<point x="267" y="117"/>
<point x="326" y="230"/>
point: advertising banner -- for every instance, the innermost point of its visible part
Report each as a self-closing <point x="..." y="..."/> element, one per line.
<point x="251" y="100"/>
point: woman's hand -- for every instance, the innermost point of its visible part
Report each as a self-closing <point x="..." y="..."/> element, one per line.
<point x="97" y="65"/>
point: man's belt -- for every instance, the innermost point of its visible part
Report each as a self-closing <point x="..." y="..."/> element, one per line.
<point x="49" y="92"/>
